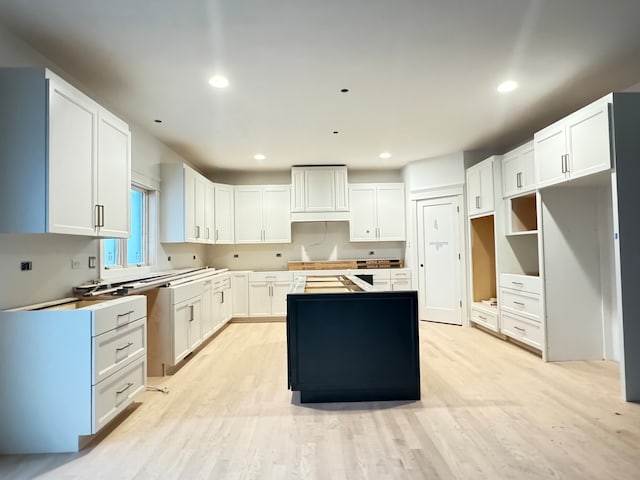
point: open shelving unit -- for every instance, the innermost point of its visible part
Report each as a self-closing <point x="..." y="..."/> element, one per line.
<point x="522" y="215"/>
<point x="483" y="260"/>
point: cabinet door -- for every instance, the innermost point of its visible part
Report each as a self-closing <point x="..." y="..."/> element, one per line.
<point x="248" y="215"/>
<point x="217" y="308"/>
<point x="341" y="189"/>
<point x="195" y="323"/>
<point x="191" y="233"/>
<point x="550" y="148"/>
<point x="276" y="211"/>
<point x="319" y="190"/>
<point x="528" y="169"/>
<point x="474" y="195"/>
<point x="486" y="187"/>
<point x="297" y="189"/>
<point x="240" y="294"/>
<point x="588" y="140"/>
<point x="390" y="203"/>
<point x="199" y="207"/>
<point x="114" y="175"/>
<point x="512" y="172"/>
<point x="279" y="292"/>
<point x="226" y="304"/>
<point x="208" y="231"/>
<point x="72" y="169"/>
<point x="207" y="312"/>
<point x="259" y="299"/>
<point x="362" y="215"/>
<point x="223" y="216"/>
<point x="182" y="314"/>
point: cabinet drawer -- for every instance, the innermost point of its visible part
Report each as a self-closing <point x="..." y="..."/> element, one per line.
<point x="187" y="291"/>
<point x="526" y="283"/>
<point x="521" y="303"/>
<point x="115" y="313"/>
<point x="277" y="276"/>
<point x="486" y="319"/>
<point x="116" y="392"/>
<point x="222" y="284"/>
<point x="522" y="329"/>
<point x="404" y="274"/>
<point x="119" y="347"/>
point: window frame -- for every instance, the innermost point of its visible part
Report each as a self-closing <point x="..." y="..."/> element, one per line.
<point x="124" y="272"/>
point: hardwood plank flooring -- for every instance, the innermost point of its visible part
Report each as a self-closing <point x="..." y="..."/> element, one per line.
<point x="489" y="410"/>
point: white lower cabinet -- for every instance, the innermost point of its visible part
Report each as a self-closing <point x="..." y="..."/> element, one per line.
<point x="401" y="279"/>
<point x="222" y="302"/>
<point x="521" y="308"/>
<point x="488" y="317"/>
<point x="240" y="294"/>
<point x="268" y="293"/>
<point x="83" y="363"/>
<point x="181" y="318"/>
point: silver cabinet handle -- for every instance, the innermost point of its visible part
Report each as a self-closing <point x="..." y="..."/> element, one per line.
<point x="518" y="303"/>
<point x="208" y="235"/>
<point x="519" y="179"/>
<point x="102" y="220"/>
<point x="478" y="201"/>
<point x="216" y="234"/>
<point x="129" y="385"/>
<point x="124" y="346"/>
<point x="99" y="212"/>
<point x="191" y="307"/>
<point x="481" y="317"/>
<point x="519" y="328"/>
<point x="517" y="283"/>
<point x="222" y="296"/>
<point x="125" y="314"/>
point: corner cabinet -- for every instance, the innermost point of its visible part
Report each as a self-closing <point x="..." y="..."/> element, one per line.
<point x="319" y="193"/>
<point x="575" y="146"/>
<point x="65" y="160"/>
<point x="377" y="212"/>
<point x="186" y="206"/>
<point x="262" y="214"/>
<point x="223" y="214"/>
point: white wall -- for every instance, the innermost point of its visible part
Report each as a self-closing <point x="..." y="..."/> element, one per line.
<point x="310" y="241"/>
<point x="432" y="173"/>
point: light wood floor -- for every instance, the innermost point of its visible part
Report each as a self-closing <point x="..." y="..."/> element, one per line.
<point x="489" y="410"/>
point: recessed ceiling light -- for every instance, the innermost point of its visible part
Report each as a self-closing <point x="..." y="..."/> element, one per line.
<point x="385" y="155"/>
<point x="218" y="81"/>
<point x="507" y="86"/>
<point x="259" y="156"/>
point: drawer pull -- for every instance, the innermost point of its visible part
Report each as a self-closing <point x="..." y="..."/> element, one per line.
<point x="518" y="303"/>
<point x="129" y="385"/>
<point x="125" y="314"/>
<point x="481" y="317"/>
<point x="124" y="346"/>
<point x="519" y="328"/>
<point x="517" y="283"/>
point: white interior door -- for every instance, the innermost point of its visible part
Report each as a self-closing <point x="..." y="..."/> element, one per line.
<point x="439" y="260"/>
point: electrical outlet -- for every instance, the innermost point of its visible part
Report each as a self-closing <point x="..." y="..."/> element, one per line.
<point x="24" y="266"/>
<point x="75" y="264"/>
<point x="235" y="255"/>
<point x="278" y="255"/>
<point x="169" y="258"/>
<point x="194" y="257"/>
<point x="92" y="262"/>
<point x="372" y="252"/>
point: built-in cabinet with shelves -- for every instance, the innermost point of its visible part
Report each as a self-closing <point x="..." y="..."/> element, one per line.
<point x="576" y="146"/>
<point x="66" y="161"/>
<point x="262" y="214"/>
<point x="518" y="171"/>
<point x="319" y="193"/>
<point x="377" y="212"/>
<point x="81" y="363"/>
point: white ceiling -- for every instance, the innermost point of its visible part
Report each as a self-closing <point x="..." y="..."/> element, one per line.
<point x="421" y="73"/>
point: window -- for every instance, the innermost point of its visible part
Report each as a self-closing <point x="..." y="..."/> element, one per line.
<point x="128" y="255"/>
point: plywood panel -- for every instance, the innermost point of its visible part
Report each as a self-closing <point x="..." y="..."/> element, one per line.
<point x="483" y="258"/>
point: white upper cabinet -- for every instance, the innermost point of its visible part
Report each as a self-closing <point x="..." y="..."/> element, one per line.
<point x="223" y="216"/>
<point x="480" y="188"/>
<point x="319" y="193"/>
<point x="65" y="163"/>
<point x="377" y="212"/>
<point x="262" y="214"/>
<point x="186" y="206"/>
<point x="575" y="146"/>
<point x="518" y="171"/>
